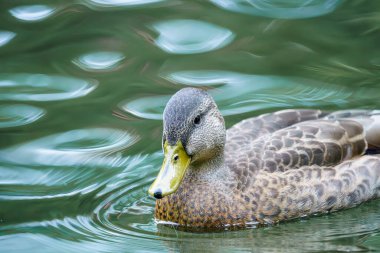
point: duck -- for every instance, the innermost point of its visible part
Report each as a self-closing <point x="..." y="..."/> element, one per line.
<point x="263" y="170"/>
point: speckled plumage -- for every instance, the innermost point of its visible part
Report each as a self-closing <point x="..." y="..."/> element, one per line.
<point x="276" y="167"/>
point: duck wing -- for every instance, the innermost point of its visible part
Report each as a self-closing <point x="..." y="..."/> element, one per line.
<point x="291" y="139"/>
<point x="369" y="119"/>
<point x="315" y="189"/>
<point x="315" y="142"/>
<point x="240" y="137"/>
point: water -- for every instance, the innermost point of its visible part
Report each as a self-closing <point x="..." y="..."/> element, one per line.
<point x="83" y="85"/>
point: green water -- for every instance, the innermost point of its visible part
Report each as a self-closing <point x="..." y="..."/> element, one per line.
<point x="83" y="85"/>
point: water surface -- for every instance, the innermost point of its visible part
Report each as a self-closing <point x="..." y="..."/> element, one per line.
<point x="83" y="85"/>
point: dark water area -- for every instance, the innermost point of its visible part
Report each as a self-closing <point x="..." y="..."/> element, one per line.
<point x="82" y="89"/>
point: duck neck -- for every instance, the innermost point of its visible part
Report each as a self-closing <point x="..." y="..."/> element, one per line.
<point x="209" y="170"/>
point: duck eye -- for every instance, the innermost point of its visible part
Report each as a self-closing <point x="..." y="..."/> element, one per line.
<point x="197" y="120"/>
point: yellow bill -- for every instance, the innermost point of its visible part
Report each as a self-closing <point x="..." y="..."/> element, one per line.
<point x="172" y="171"/>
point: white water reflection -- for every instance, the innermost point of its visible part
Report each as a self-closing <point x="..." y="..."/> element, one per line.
<point x="116" y="3"/>
<point x="18" y="115"/>
<point x="238" y="93"/>
<point x="20" y="176"/>
<point x="40" y="87"/>
<point x="99" y="61"/>
<point x="91" y="147"/>
<point x="291" y="9"/>
<point x="32" y="12"/>
<point x="5" y="37"/>
<point x="146" y="107"/>
<point x="191" y="36"/>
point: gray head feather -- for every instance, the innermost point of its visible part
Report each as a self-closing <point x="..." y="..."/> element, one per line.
<point x="180" y="112"/>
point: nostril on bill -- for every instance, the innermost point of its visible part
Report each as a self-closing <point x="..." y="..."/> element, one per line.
<point x="158" y="194"/>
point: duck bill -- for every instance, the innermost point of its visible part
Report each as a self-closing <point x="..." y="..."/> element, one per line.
<point x="173" y="169"/>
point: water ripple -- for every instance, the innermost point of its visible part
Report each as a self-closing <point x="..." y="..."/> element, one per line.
<point x="40" y="87"/>
<point x="18" y="115"/>
<point x="77" y="147"/>
<point x="99" y="61"/>
<point x="54" y="169"/>
<point x="238" y="93"/>
<point x="294" y="9"/>
<point x="121" y="3"/>
<point x="190" y="36"/>
<point x="146" y="107"/>
<point x="32" y="12"/>
<point x="5" y="37"/>
<point x="123" y="191"/>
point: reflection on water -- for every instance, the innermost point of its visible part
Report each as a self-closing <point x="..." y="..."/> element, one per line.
<point x="75" y="169"/>
<point x="119" y="3"/>
<point x="5" y="37"/>
<point x="190" y="36"/>
<point x="147" y="108"/>
<point x="99" y="61"/>
<point x="32" y="12"/>
<point x="38" y="87"/>
<point x="293" y="9"/>
<point x="18" y="115"/>
<point x="83" y="146"/>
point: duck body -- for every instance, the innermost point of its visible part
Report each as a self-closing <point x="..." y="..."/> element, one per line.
<point x="271" y="168"/>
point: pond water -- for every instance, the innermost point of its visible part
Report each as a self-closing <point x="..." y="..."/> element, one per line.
<point x="82" y="89"/>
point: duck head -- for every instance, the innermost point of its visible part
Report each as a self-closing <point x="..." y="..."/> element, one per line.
<point x="194" y="132"/>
